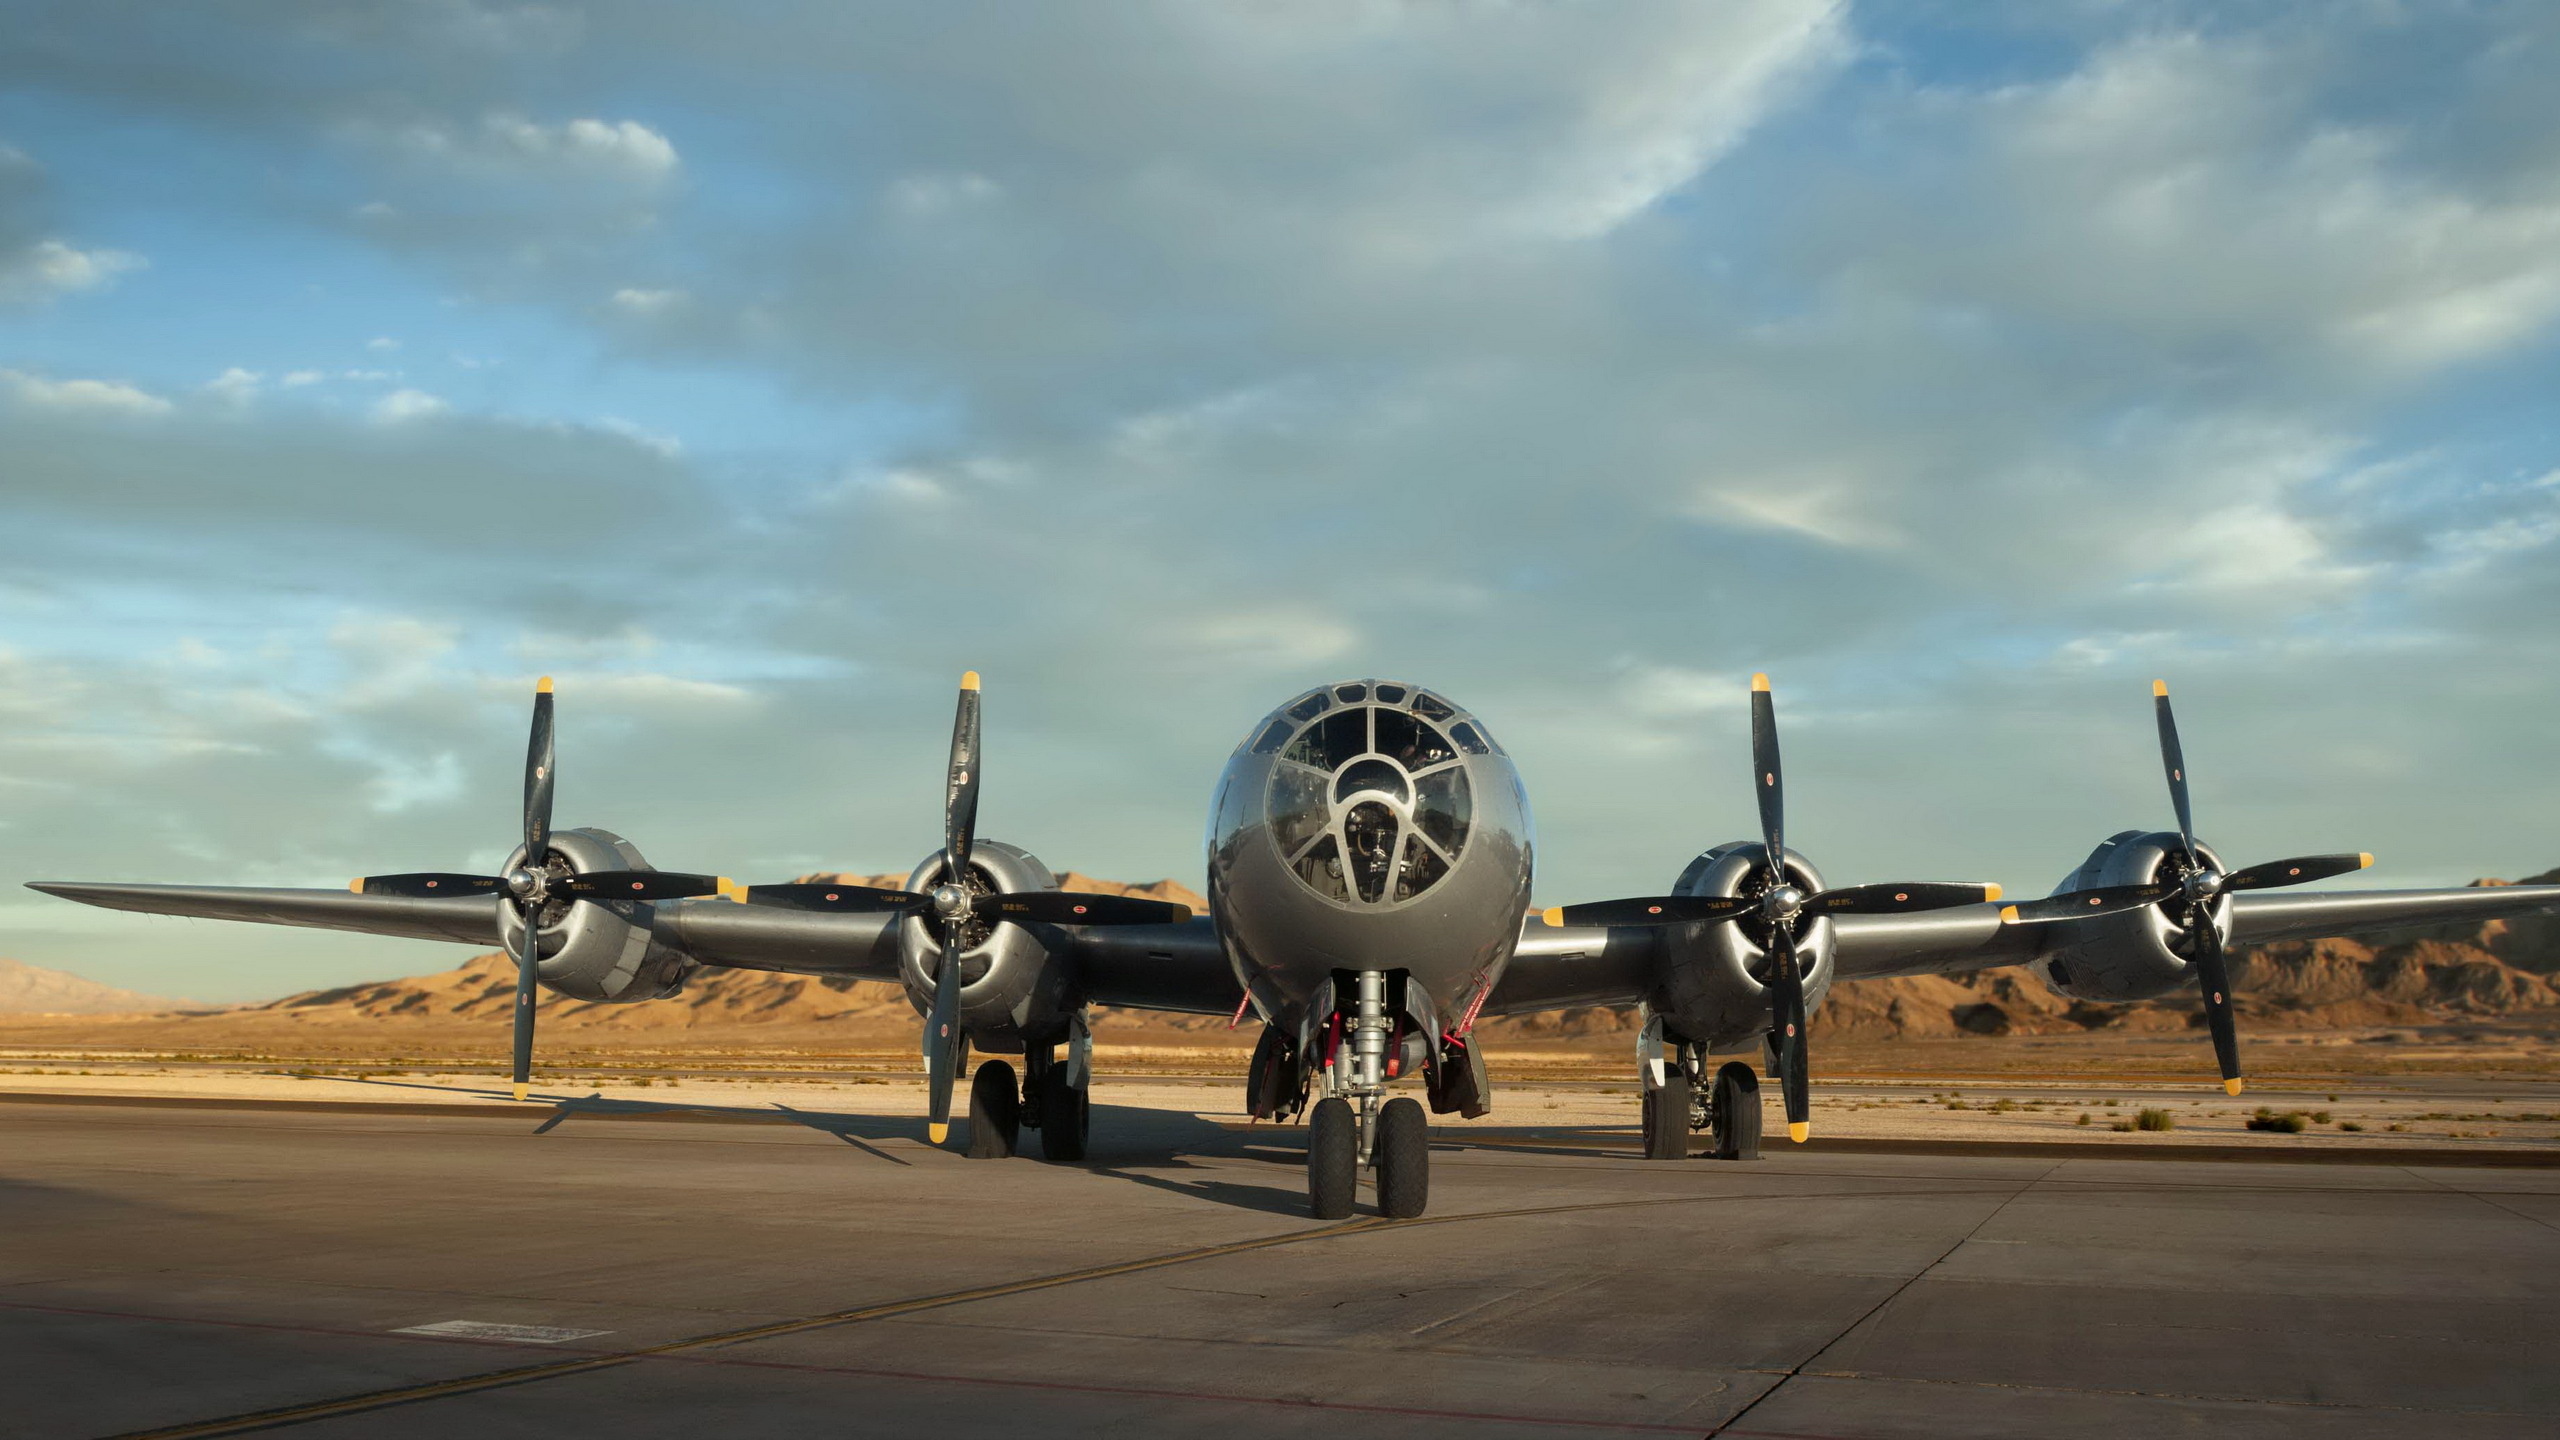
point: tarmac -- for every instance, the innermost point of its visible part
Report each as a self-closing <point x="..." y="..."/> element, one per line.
<point x="209" y="1270"/>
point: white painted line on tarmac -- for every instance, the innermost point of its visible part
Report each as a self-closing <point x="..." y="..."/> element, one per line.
<point x="491" y="1330"/>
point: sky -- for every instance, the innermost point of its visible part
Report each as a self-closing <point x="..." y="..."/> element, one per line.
<point x="756" y="369"/>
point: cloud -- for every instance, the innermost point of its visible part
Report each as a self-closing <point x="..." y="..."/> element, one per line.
<point x="647" y="302"/>
<point x="624" y="150"/>
<point x="405" y="405"/>
<point x="50" y="268"/>
<point x="107" y="398"/>
<point x="235" y="386"/>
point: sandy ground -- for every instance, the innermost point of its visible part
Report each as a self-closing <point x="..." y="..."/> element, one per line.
<point x="2348" y="1113"/>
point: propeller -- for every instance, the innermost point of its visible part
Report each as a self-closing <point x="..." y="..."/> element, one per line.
<point x="1782" y="907"/>
<point x="953" y="907"/>
<point x="2190" y="896"/>
<point x="532" y="884"/>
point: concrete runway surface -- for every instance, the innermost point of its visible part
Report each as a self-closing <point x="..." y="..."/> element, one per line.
<point x="201" y="1272"/>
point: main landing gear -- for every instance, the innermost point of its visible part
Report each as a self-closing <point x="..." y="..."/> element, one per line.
<point x="1055" y="1099"/>
<point x="1676" y="1102"/>
<point x="1354" y="1123"/>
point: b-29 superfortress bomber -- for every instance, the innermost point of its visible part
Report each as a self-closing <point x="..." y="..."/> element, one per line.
<point x="1368" y="880"/>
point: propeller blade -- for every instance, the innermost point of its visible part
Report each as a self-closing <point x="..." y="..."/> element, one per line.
<point x="1656" y="910"/>
<point x="1786" y="1026"/>
<point x="941" y="1033"/>
<point x="2081" y="904"/>
<point x="851" y="899"/>
<point x="538" y="779"/>
<point x="2300" y="871"/>
<point x="528" y="955"/>
<point x="429" y="885"/>
<point x="960" y="801"/>
<point x="1764" y="770"/>
<point x="1898" y="899"/>
<point x="2214" y="978"/>
<point x="639" y="885"/>
<point x="1067" y="907"/>
<point x="2174" y="760"/>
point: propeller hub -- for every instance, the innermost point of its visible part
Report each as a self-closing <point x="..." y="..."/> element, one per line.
<point x="1783" y="903"/>
<point x="524" y="884"/>
<point x="949" y="899"/>
<point x="2204" y="884"/>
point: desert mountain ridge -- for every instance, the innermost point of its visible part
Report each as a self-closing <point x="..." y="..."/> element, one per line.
<point x="34" y="990"/>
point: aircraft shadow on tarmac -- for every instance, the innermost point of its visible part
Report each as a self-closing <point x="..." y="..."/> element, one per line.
<point x="1122" y="1136"/>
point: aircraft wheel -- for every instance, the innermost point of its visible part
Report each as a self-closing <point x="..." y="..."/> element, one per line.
<point x="1066" y="1116"/>
<point x="1333" y="1158"/>
<point x="995" y="1112"/>
<point x="1666" y="1120"/>
<point x="1403" y="1158"/>
<point x="1737" y="1111"/>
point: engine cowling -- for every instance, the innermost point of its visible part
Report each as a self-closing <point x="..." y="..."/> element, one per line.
<point x="1010" y="995"/>
<point x="598" y="950"/>
<point x="2132" y="954"/>
<point x="1712" y="992"/>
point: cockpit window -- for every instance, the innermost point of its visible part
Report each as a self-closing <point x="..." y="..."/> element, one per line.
<point x="1376" y="776"/>
<point x="1443" y="809"/>
<point x="1332" y="741"/>
<point x="1370" y="803"/>
<point x="1321" y="868"/>
<point x="1371" y="831"/>
<point x="1350" y="694"/>
<point x="1298" y="809"/>
<point x="1414" y="744"/>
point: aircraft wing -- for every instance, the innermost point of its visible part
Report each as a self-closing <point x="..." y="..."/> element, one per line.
<point x="715" y="932"/>
<point x="469" y="922"/>
<point x="1181" y="967"/>
<point x="1559" y="967"/>
<point x="1947" y="942"/>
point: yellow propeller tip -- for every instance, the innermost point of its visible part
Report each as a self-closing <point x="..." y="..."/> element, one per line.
<point x="357" y="884"/>
<point x="1553" y="917"/>
<point x="731" y="890"/>
<point x="542" y="686"/>
<point x="1759" y="681"/>
<point x="2364" y="861"/>
<point x="2159" y="687"/>
<point x="2231" y="1086"/>
<point x="937" y="1133"/>
<point x="1798" y="1131"/>
<point x="969" y="680"/>
<point x="1990" y="893"/>
<point x="2008" y="914"/>
<point x="520" y="1088"/>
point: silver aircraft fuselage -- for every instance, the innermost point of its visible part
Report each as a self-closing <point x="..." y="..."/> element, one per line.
<point x="1369" y="825"/>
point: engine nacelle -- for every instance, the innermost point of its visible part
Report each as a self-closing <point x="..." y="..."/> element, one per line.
<point x="2132" y="954"/>
<point x="1712" y="992"/>
<point x="1010" y="995"/>
<point x="597" y="949"/>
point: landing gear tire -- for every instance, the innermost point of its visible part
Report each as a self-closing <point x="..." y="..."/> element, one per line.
<point x="1066" y="1116"/>
<point x="1403" y="1158"/>
<point x="995" y="1112"/>
<point x="1735" y="1102"/>
<point x="1666" y="1119"/>
<point x="1333" y="1159"/>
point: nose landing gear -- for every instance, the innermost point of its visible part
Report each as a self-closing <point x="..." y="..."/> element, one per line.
<point x="1355" y="1124"/>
